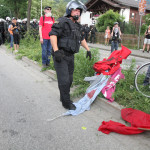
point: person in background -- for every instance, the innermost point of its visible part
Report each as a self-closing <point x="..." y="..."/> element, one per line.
<point x="11" y="35"/>
<point x="45" y="26"/>
<point x="86" y="30"/>
<point x="116" y="33"/>
<point x="107" y="35"/>
<point x="15" y="28"/>
<point x="147" y="39"/>
<point x="92" y="32"/>
<point x="34" y="29"/>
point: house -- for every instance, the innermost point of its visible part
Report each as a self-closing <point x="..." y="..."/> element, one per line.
<point x="126" y="8"/>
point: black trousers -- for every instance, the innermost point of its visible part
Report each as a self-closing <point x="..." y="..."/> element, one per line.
<point x="92" y="38"/>
<point x="64" y="71"/>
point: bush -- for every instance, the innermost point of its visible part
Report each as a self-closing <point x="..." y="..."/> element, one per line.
<point x="108" y="19"/>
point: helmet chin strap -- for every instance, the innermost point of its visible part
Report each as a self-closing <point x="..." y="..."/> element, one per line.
<point x="75" y="18"/>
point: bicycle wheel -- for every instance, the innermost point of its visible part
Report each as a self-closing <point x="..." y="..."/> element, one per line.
<point x="142" y="80"/>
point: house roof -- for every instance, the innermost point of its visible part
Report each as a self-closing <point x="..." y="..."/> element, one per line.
<point x="120" y="3"/>
<point x="131" y="3"/>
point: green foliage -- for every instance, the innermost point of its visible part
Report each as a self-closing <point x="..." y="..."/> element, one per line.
<point x="17" y="8"/>
<point x="126" y="93"/>
<point x="108" y="19"/>
<point x="143" y="29"/>
<point x="146" y="18"/>
<point x="129" y="28"/>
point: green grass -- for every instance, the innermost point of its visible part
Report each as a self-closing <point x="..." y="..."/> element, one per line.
<point x="125" y="93"/>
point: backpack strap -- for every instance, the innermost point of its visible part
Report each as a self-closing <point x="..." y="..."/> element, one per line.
<point x="44" y="19"/>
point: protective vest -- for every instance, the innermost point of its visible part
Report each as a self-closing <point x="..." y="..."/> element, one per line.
<point x="71" y="39"/>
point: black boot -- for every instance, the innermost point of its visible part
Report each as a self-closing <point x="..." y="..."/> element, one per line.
<point x="69" y="106"/>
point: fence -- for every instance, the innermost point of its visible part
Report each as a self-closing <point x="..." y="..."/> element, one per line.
<point x="128" y="40"/>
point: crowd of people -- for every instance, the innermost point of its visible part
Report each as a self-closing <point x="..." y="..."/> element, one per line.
<point x="12" y="30"/>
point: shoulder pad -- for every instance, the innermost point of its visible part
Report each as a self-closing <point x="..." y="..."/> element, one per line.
<point x="62" y="20"/>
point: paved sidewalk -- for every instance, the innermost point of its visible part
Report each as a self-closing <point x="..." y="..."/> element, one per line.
<point x="137" y="53"/>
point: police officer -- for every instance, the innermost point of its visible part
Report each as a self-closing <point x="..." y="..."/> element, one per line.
<point x="2" y="31"/>
<point x="66" y="37"/>
<point x="92" y="37"/>
<point x="87" y="30"/>
<point x="23" y="27"/>
<point x="7" y="34"/>
<point x="34" y="28"/>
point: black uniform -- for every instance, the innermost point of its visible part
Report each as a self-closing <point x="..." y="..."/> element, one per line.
<point x="69" y="37"/>
<point x="2" y="31"/>
<point x="92" y="38"/>
<point x="23" y="30"/>
<point x="34" y="30"/>
<point x="87" y="30"/>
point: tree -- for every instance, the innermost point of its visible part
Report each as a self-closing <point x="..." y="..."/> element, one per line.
<point x="29" y="14"/>
<point x="145" y="25"/>
<point x="18" y="8"/>
<point x="108" y="19"/>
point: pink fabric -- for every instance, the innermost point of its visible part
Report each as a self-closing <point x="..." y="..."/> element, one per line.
<point x="109" y="89"/>
<point x="48" y="22"/>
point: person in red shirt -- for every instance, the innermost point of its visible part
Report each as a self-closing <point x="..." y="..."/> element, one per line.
<point x="45" y="26"/>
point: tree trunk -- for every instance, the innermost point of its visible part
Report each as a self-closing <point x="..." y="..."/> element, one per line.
<point x="29" y="14"/>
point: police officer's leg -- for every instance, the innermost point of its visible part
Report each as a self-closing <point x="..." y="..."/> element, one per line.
<point x="49" y="47"/>
<point x="71" y="68"/>
<point x="64" y="82"/>
<point x="94" y="39"/>
<point x="44" y="51"/>
<point x="91" y="38"/>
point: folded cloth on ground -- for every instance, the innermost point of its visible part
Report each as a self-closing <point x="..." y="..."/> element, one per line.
<point x="137" y="118"/>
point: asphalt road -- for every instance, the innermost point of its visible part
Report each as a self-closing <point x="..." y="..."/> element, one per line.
<point x="29" y="100"/>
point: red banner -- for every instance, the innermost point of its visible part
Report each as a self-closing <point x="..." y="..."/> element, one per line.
<point x="142" y="7"/>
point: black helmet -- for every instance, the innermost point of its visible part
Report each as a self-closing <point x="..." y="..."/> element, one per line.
<point x="74" y="4"/>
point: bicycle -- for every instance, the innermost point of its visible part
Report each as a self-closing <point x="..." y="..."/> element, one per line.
<point x="142" y="80"/>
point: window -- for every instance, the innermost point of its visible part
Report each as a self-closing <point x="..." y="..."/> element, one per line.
<point x="132" y="15"/>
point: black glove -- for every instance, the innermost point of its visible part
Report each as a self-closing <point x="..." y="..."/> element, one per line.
<point x="88" y="54"/>
<point x="58" y="55"/>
